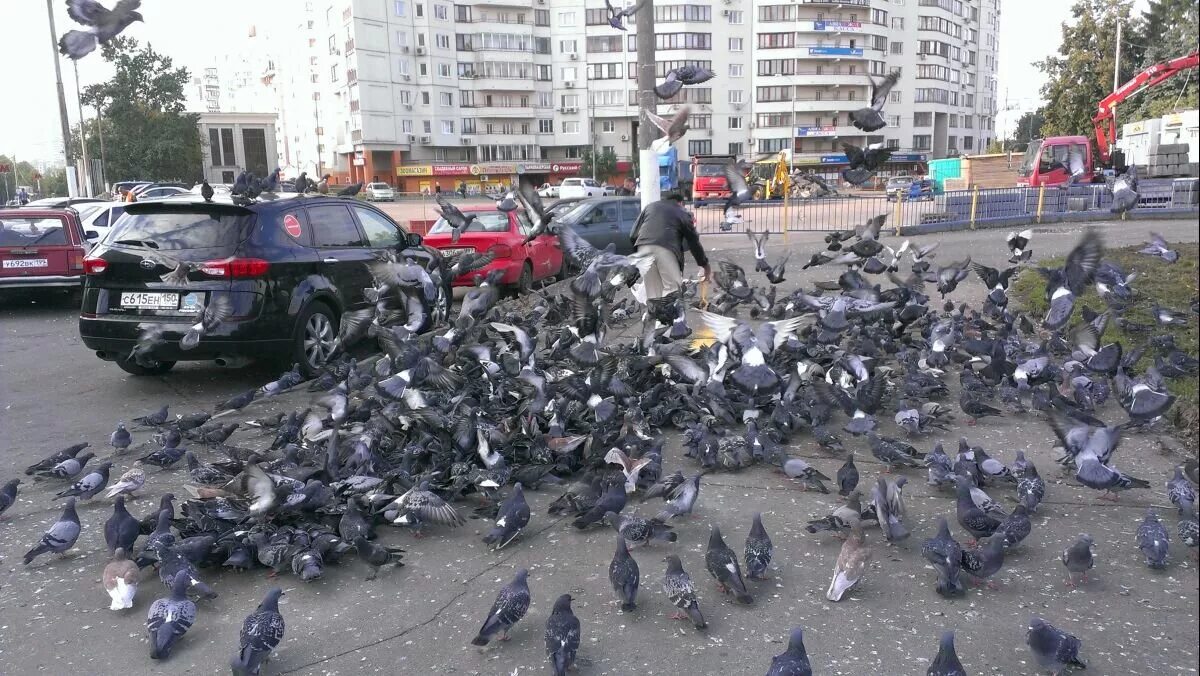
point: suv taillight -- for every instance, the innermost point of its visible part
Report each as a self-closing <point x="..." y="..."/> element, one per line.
<point x="235" y="268"/>
<point x="75" y="259"/>
<point x="94" y="266"/>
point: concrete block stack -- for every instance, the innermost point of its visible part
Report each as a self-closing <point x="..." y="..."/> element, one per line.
<point x="1171" y="159"/>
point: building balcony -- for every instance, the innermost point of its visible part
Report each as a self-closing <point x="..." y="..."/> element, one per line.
<point x="513" y="112"/>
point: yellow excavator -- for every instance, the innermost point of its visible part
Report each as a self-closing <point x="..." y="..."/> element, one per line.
<point x="769" y="177"/>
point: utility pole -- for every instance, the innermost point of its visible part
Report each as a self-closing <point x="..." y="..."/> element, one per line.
<point x="86" y="178"/>
<point x="592" y="125"/>
<point x="1116" y="74"/>
<point x="100" y="131"/>
<point x="62" y="98"/>
<point x="647" y="103"/>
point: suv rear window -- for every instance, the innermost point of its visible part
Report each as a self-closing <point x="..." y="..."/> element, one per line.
<point x="20" y="232"/>
<point x="181" y="229"/>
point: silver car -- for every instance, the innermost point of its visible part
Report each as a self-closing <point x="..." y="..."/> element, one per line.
<point x="380" y="192"/>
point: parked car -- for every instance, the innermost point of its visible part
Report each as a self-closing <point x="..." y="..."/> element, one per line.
<point x="160" y="191"/>
<point x="121" y="186"/>
<point x="609" y="190"/>
<point x="605" y="220"/>
<point x="580" y="187"/>
<point x="561" y="207"/>
<point x="380" y="192"/>
<point x="548" y="190"/>
<point x="41" y="248"/>
<point x="503" y="234"/>
<point x="100" y="219"/>
<point x="289" y="268"/>
<point x="915" y="189"/>
<point x="59" y="202"/>
<point x="141" y="189"/>
<point x="897" y="183"/>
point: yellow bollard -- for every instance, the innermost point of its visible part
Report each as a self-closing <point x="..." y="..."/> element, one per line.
<point x="1041" y="200"/>
<point x="896" y="216"/>
<point x="787" y="213"/>
<point x="704" y="293"/>
<point x="974" y="205"/>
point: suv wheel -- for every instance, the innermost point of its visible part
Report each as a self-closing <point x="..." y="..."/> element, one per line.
<point x="316" y="331"/>
<point x="133" y="368"/>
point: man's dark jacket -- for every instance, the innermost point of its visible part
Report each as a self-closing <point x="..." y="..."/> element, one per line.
<point x="665" y="223"/>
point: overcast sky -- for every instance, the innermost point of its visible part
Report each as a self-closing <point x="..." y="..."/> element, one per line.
<point x="189" y="32"/>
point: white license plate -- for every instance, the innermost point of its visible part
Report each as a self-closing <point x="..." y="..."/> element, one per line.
<point x="26" y="263"/>
<point x="144" y="300"/>
<point x="454" y="251"/>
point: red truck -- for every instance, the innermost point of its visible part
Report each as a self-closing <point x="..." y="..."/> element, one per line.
<point x="708" y="177"/>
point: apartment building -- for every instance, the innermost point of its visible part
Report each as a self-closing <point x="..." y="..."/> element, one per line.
<point x="429" y="93"/>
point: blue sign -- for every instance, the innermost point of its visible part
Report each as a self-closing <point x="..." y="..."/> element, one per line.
<point x="835" y="51"/>
<point x="840" y="158"/>
<point x="837" y="25"/>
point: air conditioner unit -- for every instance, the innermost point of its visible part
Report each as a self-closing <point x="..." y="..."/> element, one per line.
<point x="624" y="137"/>
<point x="574" y="56"/>
<point x="466" y="140"/>
<point x="724" y="12"/>
<point x="921" y="57"/>
<point x="411" y="138"/>
<point x="569" y="84"/>
<point x="753" y="141"/>
<point x="737" y="106"/>
<point x="708" y="132"/>
<point x="752" y="125"/>
<point x="420" y="51"/>
<point x="408" y="106"/>
<point x="404" y="49"/>
<point x="426" y="140"/>
<point x="406" y="76"/>
<point x="570" y="109"/>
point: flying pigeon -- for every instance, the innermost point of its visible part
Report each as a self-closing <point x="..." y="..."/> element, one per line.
<point x="1124" y="189"/>
<point x="870" y="119"/>
<point x="616" y="17"/>
<point x="102" y="25"/>
<point x="673" y="129"/>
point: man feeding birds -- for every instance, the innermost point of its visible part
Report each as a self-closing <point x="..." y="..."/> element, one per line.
<point x="662" y="230"/>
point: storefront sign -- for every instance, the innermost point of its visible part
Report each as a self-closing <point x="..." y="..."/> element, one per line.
<point x="840" y="158"/>
<point x="533" y="168"/>
<point x="835" y="51"/>
<point x="451" y="170"/>
<point x="837" y="26"/>
<point x="493" y="168"/>
<point x="823" y="130"/>
<point x="415" y="170"/>
<point x="565" y="167"/>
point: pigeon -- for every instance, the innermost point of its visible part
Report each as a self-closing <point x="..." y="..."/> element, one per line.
<point x="8" y="495"/>
<point x="238" y="402"/>
<point x="69" y="468"/>
<point x="1052" y="648"/>
<point x="616" y="17"/>
<point x="1124" y="190"/>
<point x="60" y="537"/>
<point x="862" y="164"/>
<point x="261" y="632"/>
<point x="1180" y="491"/>
<point x="53" y="460"/>
<point x="681" y="499"/>
<point x="206" y="190"/>
<point x="623" y="574"/>
<point x="871" y="119"/>
<point x="120" y="579"/>
<point x="154" y="419"/>
<point x="129" y="483"/>
<point x="678" y="587"/>
<point x="350" y="190"/>
<point x="353" y="524"/>
<point x="1158" y="247"/>
<point x="1079" y="558"/>
<point x="673" y="129"/>
<point x="851" y="564"/>
<point x="511" y="605"/>
<point x="458" y="221"/>
<point x="794" y="660"/>
<point x="420" y="505"/>
<point x="562" y="636"/>
<point x="613" y="499"/>
<point x="1018" y="246"/>
<point x="511" y="519"/>
<point x="946" y="556"/>
<point x="811" y="477"/>
<point x="1153" y="540"/>
<point x="722" y="564"/>
<point x="1064" y="285"/>
<point x="169" y="619"/>
<point x="102" y="24"/>
<point x="210" y="318"/>
<point x="1016" y="526"/>
<point x="92" y="483"/>
<point x="758" y="550"/>
<point x="376" y="555"/>
<point x="973" y="519"/>
<point x="676" y="78"/>
<point x="946" y="662"/>
<point x="122" y="529"/>
<point x="637" y="529"/>
<point x="842" y="519"/>
<point x="986" y="561"/>
<point x="847" y="477"/>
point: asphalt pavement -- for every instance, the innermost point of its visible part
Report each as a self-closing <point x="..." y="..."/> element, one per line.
<point x="420" y="618"/>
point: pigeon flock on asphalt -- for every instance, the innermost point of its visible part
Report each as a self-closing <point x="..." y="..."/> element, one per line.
<point x="505" y="398"/>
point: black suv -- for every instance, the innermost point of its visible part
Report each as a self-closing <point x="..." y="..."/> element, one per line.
<point x="289" y="267"/>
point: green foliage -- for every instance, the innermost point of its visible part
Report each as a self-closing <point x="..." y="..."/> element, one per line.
<point x="9" y="182"/>
<point x="1167" y="30"/>
<point x="605" y="160"/>
<point x="1082" y="72"/>
<point x="1029" y="127"/>
<point x="1171" y="285"/>
<point x="146" y="133"/>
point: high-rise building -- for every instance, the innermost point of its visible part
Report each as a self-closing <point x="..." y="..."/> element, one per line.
<point x="430" y="93"/>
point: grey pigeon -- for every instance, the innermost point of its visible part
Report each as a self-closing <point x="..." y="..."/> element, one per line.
<point x="944" y="552"/>
<point x="261" y="632"/>
<point x="946" y="662"/>
<point x="122" y="529"/>
<point x="60" y="537"/>
<point x="678" y="587"/>
<point x="887" y="497"/>
<point x="92" y="483"/>
<point x="1180" y="491"/>
<point x="1079" y="558"/>
<point x="847" y="476"/>
<point x="8" y="495"/>
<point x="377" y="555"/>
<point x="120" y="439"/>
<point x="870" y="119"/>
<point x="53" y="460"/>
<point x="986" y="561"/>
<point x="562" y="636"/>
<point x="623" y="574"/>
<point x="681" y="500"/>
<point x="1124" y="190"/>
<point x="510" y="606"/>
<point x="102" y="25"/>
<point x="758" y="550"/>
<point x="722" y="564"/>
<point x="1157" y="246"/>
<point x="1053" y="648"/>
<point x="511" y="519"/>
<point x="811" y="476"/>
<point x="612" y="500"/>
<point x="640" y="530"/>
<point x="1064" y="285"/>
<point x="1031" y="488"/>
<point x="1016" y="527"/>
<point x="794" y="660"/>
<point x="153" y="419"/>
<point x="1153" y="540"/>
<point x="973" y="519"/>
<point x="169" y="619"/>
<point x="68" y="468"/>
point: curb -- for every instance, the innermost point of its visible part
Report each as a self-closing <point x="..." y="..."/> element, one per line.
<point x="1061" y="217"/>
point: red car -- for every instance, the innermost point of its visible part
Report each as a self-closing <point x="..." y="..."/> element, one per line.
<point x="41" y="248"/>
<point x="502" y="233"/>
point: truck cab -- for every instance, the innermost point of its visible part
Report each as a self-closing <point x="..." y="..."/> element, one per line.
<point x="708" y="177"/>
<point x="1047" y="161"/>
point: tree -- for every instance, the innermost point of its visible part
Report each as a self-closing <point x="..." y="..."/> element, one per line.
<point x="1167" y="30"/>
<point x="605" y="161"/>
<point x="18" y="174"/>
<point x="146" y="133"/>
<point x="1082" y="72"/>
<point x="1029" y="127"/>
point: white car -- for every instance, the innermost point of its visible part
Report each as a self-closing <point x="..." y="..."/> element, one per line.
<point x="547" y="190"/>
<point x="380" y="192"/>
<point x="609" y="190"/>
<point x="580" y="187"/>
<point x="97" y="219"/>
<point x="160" y="192"/>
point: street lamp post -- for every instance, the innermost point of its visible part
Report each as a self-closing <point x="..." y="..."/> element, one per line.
<point x="647" y="103"/>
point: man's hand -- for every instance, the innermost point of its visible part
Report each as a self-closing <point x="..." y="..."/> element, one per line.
<point x="705" y="273"/>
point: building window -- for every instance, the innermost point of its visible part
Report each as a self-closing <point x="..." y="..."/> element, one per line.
<point x="953" y="122"/>
<point x="405" y="96"/>
<point x="441" y="12"/>
<point x="924" y="119"/>
<point x="736" y="149"/>
<point x="446" y="99"/>
<point x="683" y="40"/>
<point x="545" y="100"/>
<point x="566" y="18"/>
<point x="603" y="44"/>
<point x="892" y="144"/>
<point x="968" y="143"/>
<point x="570" y="101"/>
<point x="541" y="17"/>
<point x="424" y="98"/>
<point x="897" y="47"/>
<point x="402" y="39"/>
<point x="922" y="142"/>
<point x="420" y="9"/>
<point x="423" y="69"/>
<point x="769" y="13"/>
<point x="569" y="73"/>
<point x="333" y="73"/>
<point x="596" y="17"/>
<point x="567" y="47"/>
<point x="545" y="126"/>
<point x="608" y="126"/>
<point x="895" y="96"/>
<point x="400" y="8"/>
<point x="570" y="126"/>
<point x="736" y="70"/>
<point x="443" y="70"/>
<point x="879" y="17"/>
<point x="776" y="66"/>
<point x="735" y="122"/>
<point x="776" y="40"/>
<point x="735" y="45"/>
<point x="442" y="41"/>
<point x="893" y="120"/>
<point x="773" y="145"/>
<point x="736" y="16"/>
<point x="700" y="147"/>
<point x="682" y="14"/>
<point x="604" y="71"/>
<point x="406" y="126"/>
<point x="952" y="143"/>
<point x="736" y="95"/>
<point x="574" y="152"/>
<point x="447" y="126"/>
<point x="426" y="126"/>
<point x="898" y="22"/>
